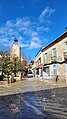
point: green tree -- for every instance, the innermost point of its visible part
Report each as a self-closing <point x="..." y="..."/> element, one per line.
<point x="16" y="65"/>
<point x="8" y="65"/>
<point x="4" y="63"/>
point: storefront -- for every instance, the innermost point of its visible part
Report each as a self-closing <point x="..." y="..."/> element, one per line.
<point x="39" y="70"/>
<point x="46" y="72"/>
<point x="46" y="69"/>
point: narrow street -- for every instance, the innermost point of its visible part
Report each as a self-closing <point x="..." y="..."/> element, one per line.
<point x="33" y="99"/>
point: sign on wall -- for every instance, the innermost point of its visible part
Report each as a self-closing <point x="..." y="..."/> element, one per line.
<point x="54" y="66"/>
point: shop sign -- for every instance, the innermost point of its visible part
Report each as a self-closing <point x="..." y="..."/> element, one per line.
<point x="54" y="66"/>
<point x="39" y="66"/>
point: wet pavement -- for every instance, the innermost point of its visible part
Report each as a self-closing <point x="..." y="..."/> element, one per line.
<point x="28" y="85"/>
<point x="33" y="99"/>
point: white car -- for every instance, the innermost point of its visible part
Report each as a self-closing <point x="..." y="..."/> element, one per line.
<point x="30" y="74"/>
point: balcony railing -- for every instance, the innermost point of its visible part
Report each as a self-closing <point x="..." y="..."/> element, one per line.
<point x="53" y="59"/>
<point x="65" y="55"/>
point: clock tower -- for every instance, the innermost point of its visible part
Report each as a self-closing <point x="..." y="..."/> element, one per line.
<point x="15" y="49"/>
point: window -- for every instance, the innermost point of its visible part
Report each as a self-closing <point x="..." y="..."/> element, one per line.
<point x="54" y="53"/>
<point x="45" y="56"/>
<point x="39" y="60"/>
<point x="66" y="45"/>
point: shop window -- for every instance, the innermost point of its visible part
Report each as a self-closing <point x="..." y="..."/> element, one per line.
<point x="46" y="69"/>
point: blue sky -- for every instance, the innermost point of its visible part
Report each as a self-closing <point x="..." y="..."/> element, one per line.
<point x="35" y="23"/>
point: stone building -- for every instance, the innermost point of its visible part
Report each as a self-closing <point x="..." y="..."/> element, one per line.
<point x="38" y="63"/>
<point x="53" y="58"/>
<point x="15" y="49"/>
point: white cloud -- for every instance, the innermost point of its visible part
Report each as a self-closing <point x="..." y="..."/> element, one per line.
<point x="35" y="42"/>
<point x="33" y="45"/>
<point x="3" y="40"/>
<point x="25" y="30"/>
<point x="24" y="22"/>
<point x="13" y="28"/>
<point x="42" y="28"/>
<point x="34" y="34"/>
<point x="23" y="45"/>
<point x="45" y="39"/>
<point x="36" y="39"/>
<point x="20" y="38"/>
<point x="46" y="13"/>
<point x="46" y="29"/>
<point x="17" y="28"/>
<point x="9" y="23"/>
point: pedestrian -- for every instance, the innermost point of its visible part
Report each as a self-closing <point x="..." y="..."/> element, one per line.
<point x="12" y="77"/>
<point x="57" y="77"/>
<point x="7" y="78"/>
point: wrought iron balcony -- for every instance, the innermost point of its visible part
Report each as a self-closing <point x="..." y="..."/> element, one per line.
<point x="65" y="55"/>
<point x="53" y="59"/>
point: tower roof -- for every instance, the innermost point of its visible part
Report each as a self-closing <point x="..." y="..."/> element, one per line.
<point x="15" y="40"/>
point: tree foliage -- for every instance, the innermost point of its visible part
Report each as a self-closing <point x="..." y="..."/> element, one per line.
<point x="8" y="66"/>
<point x="16" y="65"/>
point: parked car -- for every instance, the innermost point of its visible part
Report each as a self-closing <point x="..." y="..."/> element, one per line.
<point x="30" y="74"/>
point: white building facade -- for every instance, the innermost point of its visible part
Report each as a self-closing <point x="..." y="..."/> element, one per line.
<point x="38" y="64"/>
<point x="53" y="58"/>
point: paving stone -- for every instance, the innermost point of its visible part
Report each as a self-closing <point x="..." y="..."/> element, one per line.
<point x="33" y="100"/>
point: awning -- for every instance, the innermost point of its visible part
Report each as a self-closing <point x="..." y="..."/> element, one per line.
<point x="40" y="66"/>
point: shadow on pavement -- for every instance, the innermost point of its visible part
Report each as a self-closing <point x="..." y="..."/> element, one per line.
<point x="45" y="104"/>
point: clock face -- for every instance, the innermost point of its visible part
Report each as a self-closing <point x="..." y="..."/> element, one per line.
<point x="14" y="47"/>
